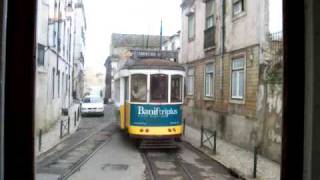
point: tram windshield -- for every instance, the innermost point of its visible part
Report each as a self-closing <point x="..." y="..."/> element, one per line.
<point x="176" y="88"/>
<point x="139" y="88"/>
<point x="159" y="88"/>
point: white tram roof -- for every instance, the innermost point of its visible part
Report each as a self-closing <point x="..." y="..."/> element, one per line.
<point x="152" y="63"/>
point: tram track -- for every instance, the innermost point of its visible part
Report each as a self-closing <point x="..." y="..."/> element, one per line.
<point x="152" y="170"/>
<point x="171" y="164"/>
<point x="65" y="163"/>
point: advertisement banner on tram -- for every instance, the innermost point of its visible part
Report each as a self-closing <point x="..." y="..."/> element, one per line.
<point x="155" y="115"/>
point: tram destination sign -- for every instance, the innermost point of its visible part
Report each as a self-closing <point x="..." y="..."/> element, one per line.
<point x="155" y="115"/>
<point x="150" y="53"/>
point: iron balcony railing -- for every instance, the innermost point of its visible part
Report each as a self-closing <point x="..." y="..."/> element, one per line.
<point x="276" y="46"/>
<point x="209" y="37"/>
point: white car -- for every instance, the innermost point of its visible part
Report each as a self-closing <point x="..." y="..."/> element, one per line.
<point x="92" y="105"/>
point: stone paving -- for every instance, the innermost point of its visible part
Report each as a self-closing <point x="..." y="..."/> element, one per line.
<point x="231" y="156"/>
<point x="235" y="158"/>
<point x="52" y="137"/>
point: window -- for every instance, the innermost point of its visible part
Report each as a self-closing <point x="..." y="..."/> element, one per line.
<point x="126" y="93"/>
<point x="58" y="84"/>
<point x="237" y="81"/>
<point x="209" y="33"/>
<point x="176" y="88"/>
<point x="53" y="79"/>
<point x="92" y="99"/>
<point x="40" y="55"/>
<point x="62" y="86"/>
<point x="139" y="88"/>
<point x="209" y="14"/>
<point x="190" y="78"/>
<point x="209" y="81"/>
<point x="237" y="7"/>
<point x="191" y="27"/>
<point x="159" y="88"/>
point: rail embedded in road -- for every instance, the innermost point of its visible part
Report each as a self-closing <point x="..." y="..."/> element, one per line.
<point x="67" y="162"/>
<point x="186" y="163"/>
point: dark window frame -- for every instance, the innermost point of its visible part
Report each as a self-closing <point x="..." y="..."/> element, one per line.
<point x="191" y="38"/>
<point x="58" y="83"/>
<point x="208" y="14"/>
<point x="212" y="72"/>
<point x="180" y="88"/>
<point x="233" y="70"/>
<point x="53" y="82"/>
<point x="152" y="90"/>
<point x="146" y="88"/>
<point x="41" y="54"/>
<point x="189" y="93"/>
<point x="243" y="7"/>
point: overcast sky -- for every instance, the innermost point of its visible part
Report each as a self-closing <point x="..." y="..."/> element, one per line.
<point x="138" y="17"/>
<point x="125" y="16"/>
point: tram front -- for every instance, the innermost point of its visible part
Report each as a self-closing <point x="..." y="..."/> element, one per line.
<point x="152" y="99"/>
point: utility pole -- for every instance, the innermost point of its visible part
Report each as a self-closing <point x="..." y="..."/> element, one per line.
<point x="161" y="35"/>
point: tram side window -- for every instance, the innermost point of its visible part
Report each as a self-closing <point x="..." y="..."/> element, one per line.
<point x="139" y="88"/>
<point x="176" y="88"/>
<point x="159" y="88"/>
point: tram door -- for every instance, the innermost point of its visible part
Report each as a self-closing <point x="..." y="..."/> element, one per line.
<point x="126" y="100"/>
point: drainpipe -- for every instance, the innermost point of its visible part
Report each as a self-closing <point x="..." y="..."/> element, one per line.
<point x="70" y="63"/>
<point x="222" y="49"/>
<point x="58" y="40"/>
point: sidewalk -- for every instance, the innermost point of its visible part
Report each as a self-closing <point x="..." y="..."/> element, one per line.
<point x="235" y="158"/>
<point x="52" y="137"/>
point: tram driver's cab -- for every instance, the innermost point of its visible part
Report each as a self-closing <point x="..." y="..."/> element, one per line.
<point x="151" y="96"/>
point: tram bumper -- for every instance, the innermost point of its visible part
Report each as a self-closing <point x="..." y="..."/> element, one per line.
<point x="155" y="132"/>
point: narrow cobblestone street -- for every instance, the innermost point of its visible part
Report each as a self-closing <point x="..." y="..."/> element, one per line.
<point x="91" y="133"/>
<point x="99" y="150"/>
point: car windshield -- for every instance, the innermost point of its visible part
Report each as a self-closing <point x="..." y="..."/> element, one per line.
<point x="92" y="100"/>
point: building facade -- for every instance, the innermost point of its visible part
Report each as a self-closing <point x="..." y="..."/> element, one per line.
<point x="172" y="44"/>
<point x="120" y="52"/>
<point x="230" y="56"/>
<point x="80" y="27"/>
<point x="55" y="61"/>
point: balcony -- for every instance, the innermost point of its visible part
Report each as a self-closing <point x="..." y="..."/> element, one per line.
<point x="209" y="37"/>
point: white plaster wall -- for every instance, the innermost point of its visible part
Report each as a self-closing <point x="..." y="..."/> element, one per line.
<point x="243" y="31"/>
<point x="42" y="21"/>
<point x="240" y="32"/>
<point x="193" y="50"/>
<point x="48" y="109"/>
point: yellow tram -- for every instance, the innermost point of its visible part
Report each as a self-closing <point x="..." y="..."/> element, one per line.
<point x="151" y="98"/>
